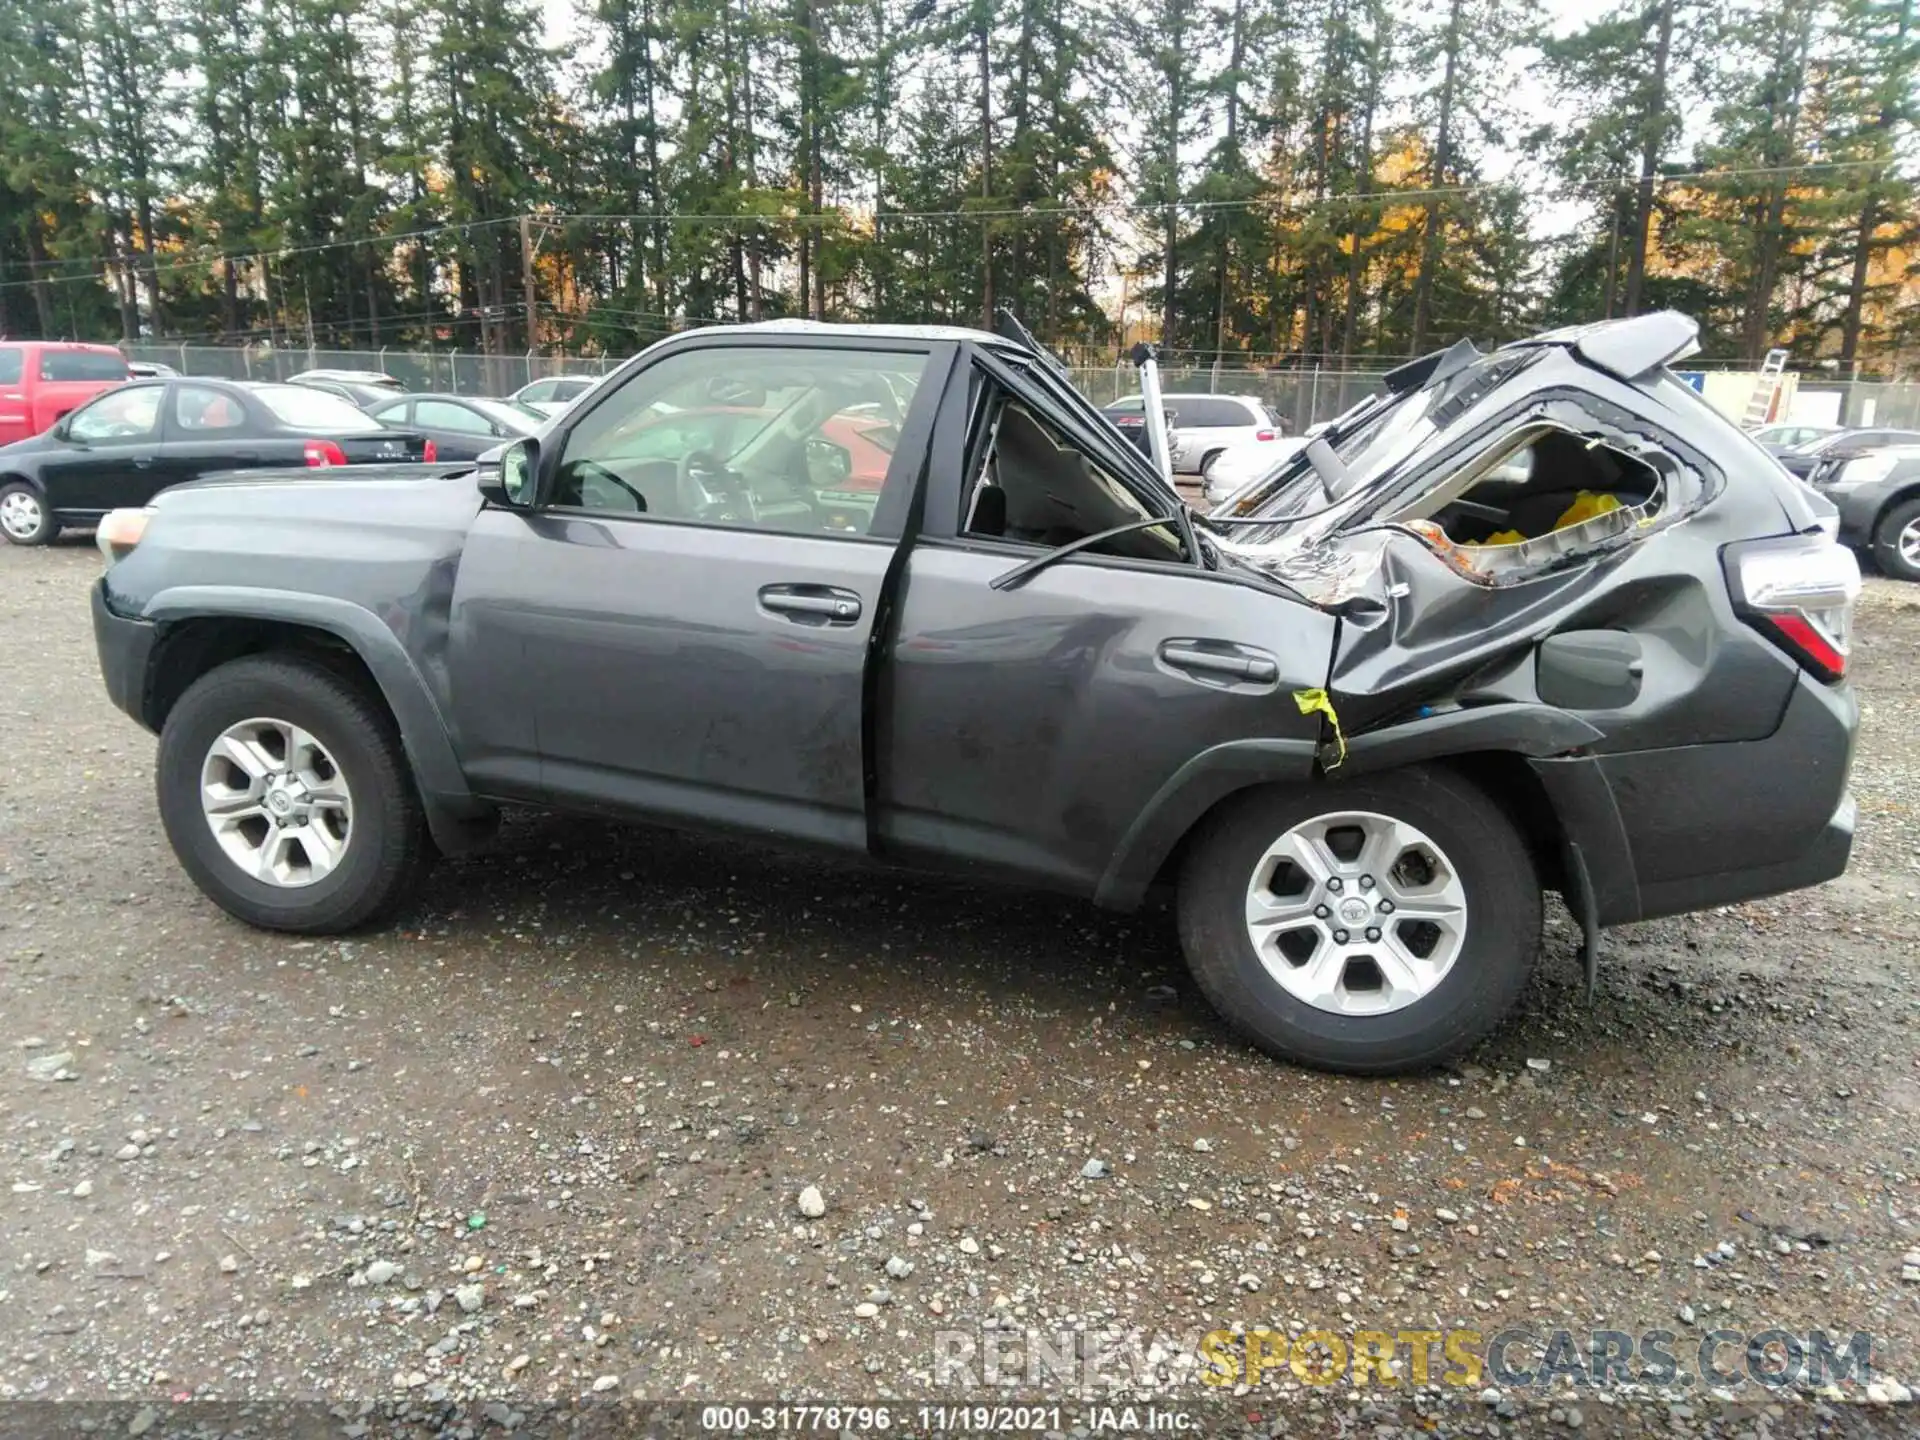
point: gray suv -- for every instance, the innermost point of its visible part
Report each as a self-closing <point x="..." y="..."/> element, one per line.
<point x="1527" y="620"/>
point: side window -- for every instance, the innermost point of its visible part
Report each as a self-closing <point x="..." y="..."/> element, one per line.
<point x="443" y="415"/>
<point x="12" y="358"/>
<point x="1204" y="413"/>
<point x="1034" y="488"/>
<point x="761" y="437"/>
<point x="1538" y="494"/>
<point x="198" y="409"/>
<point x="128" y="414"/>
<point x="392" y="416"/>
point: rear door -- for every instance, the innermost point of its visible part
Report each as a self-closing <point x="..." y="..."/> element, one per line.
<point x="457" y="432"/>
<point x="207" y="429"/>
<point x="1027" y="729"/>
<point x="685" y="636"/>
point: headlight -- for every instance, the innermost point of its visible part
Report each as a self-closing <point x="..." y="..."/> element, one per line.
<point x="120" y="531"/>
<point x="1866" y="470"/>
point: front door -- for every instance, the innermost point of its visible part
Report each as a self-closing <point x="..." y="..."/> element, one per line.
<point x="108" y="452"/>
<point x="680" y="630"/>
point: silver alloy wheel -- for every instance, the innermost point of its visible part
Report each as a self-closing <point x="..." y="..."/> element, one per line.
<point x="1907" y="542"/>
<point x="276" y="802"/>
<point x="1356" y="913"/>
<point x="20" y="514"/>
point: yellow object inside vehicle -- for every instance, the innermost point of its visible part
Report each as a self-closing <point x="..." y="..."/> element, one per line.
<point x="1586" y="504"/>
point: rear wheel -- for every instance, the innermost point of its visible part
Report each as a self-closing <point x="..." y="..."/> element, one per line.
<point x="1370" y="926"/>
<point x="1896" y="541"/>
<point x="285" y="793"/>
<point x="24" y="516"/>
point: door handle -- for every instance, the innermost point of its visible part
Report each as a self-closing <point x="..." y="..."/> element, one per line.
<point x="1235" y="663"/>
<point x="811" y="604"/>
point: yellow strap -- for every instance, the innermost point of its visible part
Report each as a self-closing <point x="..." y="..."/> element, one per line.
<point x="1315" y="702"/>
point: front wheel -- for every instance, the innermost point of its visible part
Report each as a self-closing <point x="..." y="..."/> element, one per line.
<point x="286" y="795"/>
<point x="25" y="518"/>
<point x="1896" y="542"/>
<point x="1368" y="926"/>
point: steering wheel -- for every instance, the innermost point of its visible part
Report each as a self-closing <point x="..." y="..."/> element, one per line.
<point x="593" y="469"/>
<point x="699" y="499"/>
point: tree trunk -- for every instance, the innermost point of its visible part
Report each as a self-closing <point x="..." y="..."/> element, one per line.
<point x="1783" y="132"/>
<point x="42" y="292"/>
<point x="983" y="35"/>
<point x="1223" y="254"/>
<point x="1176" y="103"/>
<point x="1652" y="143"/>
<point x="1436" y="181"/>
<point x="1854" y="319"/>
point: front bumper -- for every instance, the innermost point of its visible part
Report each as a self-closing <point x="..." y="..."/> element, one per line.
<point x="124" y="647"/>
<point x="1859" y="508"/>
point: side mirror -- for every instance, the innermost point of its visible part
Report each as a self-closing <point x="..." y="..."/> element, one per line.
<point x="514" y="483"/>
<point x="828" y="465"/>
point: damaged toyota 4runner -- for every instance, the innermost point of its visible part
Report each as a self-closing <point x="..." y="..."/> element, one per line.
<point x="1536" y="619"/>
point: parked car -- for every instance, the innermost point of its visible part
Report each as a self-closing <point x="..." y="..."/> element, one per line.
<point x="125" y="446"/>
<point x="1878" y="496"/>
<point x="1422" y="674"/>
<point x="150" y="370"/>
<point x="1244" y="464"/>
<point x="553" y="394"/>
<point x="462" y="427"/>
<point x="42" y="380"/>
<point x="1831" y="451"/>
<point x="1203" y="427"/>
<point x="363" y="388"/>
<point x="1792" y="435"/>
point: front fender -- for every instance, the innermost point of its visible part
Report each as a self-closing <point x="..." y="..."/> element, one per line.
<point x="450" y="802"/>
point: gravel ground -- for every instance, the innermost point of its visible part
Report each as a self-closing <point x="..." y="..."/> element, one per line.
<point x="549" y="1138"/>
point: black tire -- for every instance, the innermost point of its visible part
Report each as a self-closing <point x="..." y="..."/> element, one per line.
<point x="38" y="535"/>
<point x="387" y="850"/>
<point x="1886" y="541"/>
<point x="1501" y="938"/>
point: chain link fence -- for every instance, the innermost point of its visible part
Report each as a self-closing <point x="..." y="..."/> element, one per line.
<point x="459" y="372"/>
<point x="1299" y="397"/>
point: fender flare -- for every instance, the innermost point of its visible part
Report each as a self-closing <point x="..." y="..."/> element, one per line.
<point x="1190" y="792"/>
<point x="1527" y="730"/>
<point x="1518" y="728"/>
<point x="458" y="818"/>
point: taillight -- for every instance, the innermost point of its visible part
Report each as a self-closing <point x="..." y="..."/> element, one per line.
<point x="429" y="453"/>
<point x="1266" y="435"/>
<point x="321" y="453"/>
<point x="1798" y="591"/>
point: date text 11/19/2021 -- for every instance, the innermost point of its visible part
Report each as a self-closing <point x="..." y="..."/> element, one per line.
<point x="924" y="1419"/>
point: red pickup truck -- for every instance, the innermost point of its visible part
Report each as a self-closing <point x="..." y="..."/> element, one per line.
<point x="41" y="380"/>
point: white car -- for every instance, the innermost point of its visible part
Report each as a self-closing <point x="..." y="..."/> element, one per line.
<point x="1202" y="428"/>
<point x="555" y="393"/>
<point x="1246" y="462"/>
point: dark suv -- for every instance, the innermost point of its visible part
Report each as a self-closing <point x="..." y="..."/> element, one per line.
<point x="1531" y="619"/>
